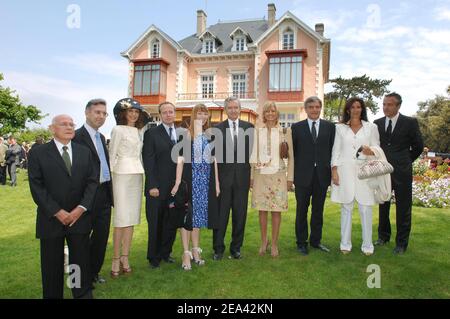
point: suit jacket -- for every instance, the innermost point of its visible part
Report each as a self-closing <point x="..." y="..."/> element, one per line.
<point x="225" y="154"/>
<point x="82" y="137"/>
<point x="160" y="169"/>
<point x="54" y="189"/>
<point x="13" y="154"/>
<point x="307" y="153"/>
<point x="403" y="147"/>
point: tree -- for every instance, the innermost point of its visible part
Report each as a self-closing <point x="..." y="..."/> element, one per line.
<point x="434" y="122"/>
<point x="332" y="103"/>
<point x="30" y="135"/>
<point x="13" y="114"/>
<point x="363" y="87"/>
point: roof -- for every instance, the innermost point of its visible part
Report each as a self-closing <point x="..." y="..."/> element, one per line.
<point x="222" y="30"/>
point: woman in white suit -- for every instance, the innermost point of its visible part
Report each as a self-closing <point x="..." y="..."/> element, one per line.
<point x="125" y="153"/>
<point x="352" y="134"/>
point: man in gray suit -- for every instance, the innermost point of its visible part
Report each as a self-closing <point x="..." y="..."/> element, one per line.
<point x="13" y="159"/>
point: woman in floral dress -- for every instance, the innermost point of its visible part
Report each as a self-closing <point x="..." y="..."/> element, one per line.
<point x="271" y="179"/>
<point x="201" y="178"/>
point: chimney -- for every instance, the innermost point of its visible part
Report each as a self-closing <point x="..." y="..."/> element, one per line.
<point x="320" y="28"/>
<point x="271" y="11"/>
<point x="201" y="22"/>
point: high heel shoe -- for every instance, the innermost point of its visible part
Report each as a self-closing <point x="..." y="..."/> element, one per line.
<point x="125" y="270"/>
<point x="198" y="261"/>
<point x="186" y="266"/>
<point x="115" y="274"/>
<point x="263" y="249"/>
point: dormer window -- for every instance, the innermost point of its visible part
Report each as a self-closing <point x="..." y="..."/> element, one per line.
<point x="288" y="39"/>
<point x="208" y="46"/>
<point x="240" y="39"/>
<point x="240" y="44"/>
<point x="155" y="49"/>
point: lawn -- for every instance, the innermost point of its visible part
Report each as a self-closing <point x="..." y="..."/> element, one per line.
<point x="423" y="272"/>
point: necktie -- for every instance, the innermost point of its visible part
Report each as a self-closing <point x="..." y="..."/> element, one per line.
<point x="314" y="132"/>
<point x="234" y="138"/>
<point x="171" y="135"/>
<point x="66" y="159"/>
<point x="389" y="129"/>
<point x="104" y="169"/>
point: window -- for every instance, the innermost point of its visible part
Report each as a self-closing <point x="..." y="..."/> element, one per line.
<point x="149" y="79"/>
<point x="239" y="85"/>
<point x="240" y="44"/>
<point x="155" y="49"/>
<point x="287" y="119"/>
<point x="207" y="86"/>
<point x="285" y="74"/>
<point x="288" y="40"/>
<point x="208" y="46"/>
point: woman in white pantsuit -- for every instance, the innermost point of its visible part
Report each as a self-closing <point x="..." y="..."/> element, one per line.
<point x="353" y="133"/>
<point x="125" y="153"/>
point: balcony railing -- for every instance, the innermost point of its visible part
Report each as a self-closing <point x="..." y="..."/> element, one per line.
<point x="214" y="96"/>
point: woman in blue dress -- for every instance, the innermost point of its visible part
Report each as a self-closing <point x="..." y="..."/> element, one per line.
<point x="199" y="174"/>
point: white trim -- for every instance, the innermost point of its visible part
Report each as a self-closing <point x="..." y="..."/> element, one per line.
<point x="141" y="39"/>
<point x="283" y="29"/>
<point x="150" y="40"/>
<point x="235" y="71"/>
<point x="301" y="24"/>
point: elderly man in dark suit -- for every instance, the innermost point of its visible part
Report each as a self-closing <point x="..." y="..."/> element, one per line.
<point x="63" y="185"/>
<point x="89" y="136"/>
<point x="234" y="178"/>
<point x="401" y="141"/>
<point x="313" y="141"/>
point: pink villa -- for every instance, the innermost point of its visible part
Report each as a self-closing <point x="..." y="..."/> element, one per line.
<point x="281" y="60"/>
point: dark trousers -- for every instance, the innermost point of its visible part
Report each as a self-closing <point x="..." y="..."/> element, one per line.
<point x="12" y="173"/>
<point x="101" y="221"/>
<point x="235" y="198"/>
<point x="52" y="266"/>
<point x="2" y="175"/>
<point x="315" y="194"/>
<point x="161" y="235"/>
<point x="403" y="202"/>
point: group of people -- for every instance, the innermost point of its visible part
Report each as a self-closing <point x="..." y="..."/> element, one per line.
<point x="195" y="177"/>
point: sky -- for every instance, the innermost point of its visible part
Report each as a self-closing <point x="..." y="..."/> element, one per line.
<point x="58" y="64"/>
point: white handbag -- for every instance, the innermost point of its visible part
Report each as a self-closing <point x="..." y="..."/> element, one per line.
<point x="373" y="168"/>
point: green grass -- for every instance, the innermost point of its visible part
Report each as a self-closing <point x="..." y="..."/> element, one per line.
<point x="423" y="272"/>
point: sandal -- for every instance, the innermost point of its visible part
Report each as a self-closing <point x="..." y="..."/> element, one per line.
<point x="115" y="274"/>
<point x="125" y="270"/>
<point x="198" y="261"/>
<point x="186" y="266"/>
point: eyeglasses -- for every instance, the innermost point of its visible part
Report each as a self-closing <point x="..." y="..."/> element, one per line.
<point x="71" y="125"/>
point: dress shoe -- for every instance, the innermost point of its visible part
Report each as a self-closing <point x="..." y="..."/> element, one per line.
<point x="99" y="280"/>
<point x="169" y="260"/>
<point x="399" y="250"/>
<point x="236" y="255"/>
<point x="321" y="247"/>
<point x="217" y="257"/>
<point x="154" y="265"/>
<point x="303" y="250"/>
<point x="381" y="242"/>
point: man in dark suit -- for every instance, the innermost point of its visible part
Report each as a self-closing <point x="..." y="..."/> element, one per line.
<point x="63" y="185"/>
<point x="313" y="141"/>
<point x="160" y="173"/>
<point x="89" y="136"/>
<point x="13" y="159"/>
<point x="234" y="178"/>
<point x="401" y="141"/>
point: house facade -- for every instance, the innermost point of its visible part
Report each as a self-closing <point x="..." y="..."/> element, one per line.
<point x="281" y="60"/>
